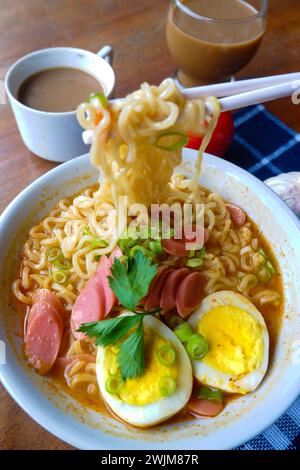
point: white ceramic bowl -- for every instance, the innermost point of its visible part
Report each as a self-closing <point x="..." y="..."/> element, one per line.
<point x="85" y="429"/>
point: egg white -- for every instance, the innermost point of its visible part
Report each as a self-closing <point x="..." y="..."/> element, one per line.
<point x="215" y="378"/>
<point x="163" y="409"/>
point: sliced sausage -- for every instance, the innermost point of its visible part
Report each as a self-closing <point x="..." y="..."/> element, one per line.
<point x="153" y="298"/>
<point x="189" y="294"/>
<point x="199" y="407"/>
<point x="43" y="338"/>
<point x="45" y="295"/>
<point x="237" y="214"/>
<point x="41" y="307"/>
<point x="97" y="299"/>
<point x="168" y="293"/>
<point x="103" y="271"/>
<point x="176" y="247"/>
<point x="89" y="306"/>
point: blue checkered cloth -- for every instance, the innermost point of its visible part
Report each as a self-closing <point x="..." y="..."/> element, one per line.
<point x="265" y="147"/>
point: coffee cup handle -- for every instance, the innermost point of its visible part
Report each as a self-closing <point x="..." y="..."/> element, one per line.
<point x="107" y="53"/>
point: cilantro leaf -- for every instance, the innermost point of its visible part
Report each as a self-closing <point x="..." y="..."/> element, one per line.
<point x="131" y="357"/>
<point x="131" y="281"/>
<point x="110" y="331"/>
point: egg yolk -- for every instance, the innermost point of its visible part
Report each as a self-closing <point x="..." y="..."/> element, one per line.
<point x="234" y="338"/>
<point x="143" y="390"/>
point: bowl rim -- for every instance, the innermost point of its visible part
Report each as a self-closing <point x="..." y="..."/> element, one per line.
<point x="73" y="438"/>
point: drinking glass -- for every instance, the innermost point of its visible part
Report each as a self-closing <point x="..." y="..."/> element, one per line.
<point x="211" y="40"/>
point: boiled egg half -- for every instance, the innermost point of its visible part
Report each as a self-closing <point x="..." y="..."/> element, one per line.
<point x="165" y="386"/>
<point x="238" y="342"/>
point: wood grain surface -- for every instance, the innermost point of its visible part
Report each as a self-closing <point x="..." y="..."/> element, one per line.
<point x="136" y="29"/>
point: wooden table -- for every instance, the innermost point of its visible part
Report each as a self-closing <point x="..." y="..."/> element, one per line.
<point x="135" y="28"/>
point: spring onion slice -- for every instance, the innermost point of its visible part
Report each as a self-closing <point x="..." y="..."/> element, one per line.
<point x="209" y="393"/>
<point x="114" y="384"/>
<point x="270" y="268"/>
<point x="155" y="247"/>
<point x="262" y="253"/>
<point x="142" y="249"/>
<point x="98" y="243"/>
<point x="173" y="147"/>
<point x="166" y="385"/>
<point x="264" y="276"/>
<point x="194" y="262"/>
<point x="166" y="355"/>
<point x="183" y="332"/>
<point x="197" y="346"/>
<point x="268" y="265"/>
<point x="54" y="253"/>
<point x="62" y="264"/>
<point x="99" y="97"/>
<point x="60" y="277"/>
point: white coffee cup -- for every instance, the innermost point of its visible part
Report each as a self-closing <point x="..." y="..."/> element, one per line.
<point x="56" y="136"/>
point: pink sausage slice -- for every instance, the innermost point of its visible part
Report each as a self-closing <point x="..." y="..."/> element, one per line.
<point x="237" y="214"/>
<point x="97" y="299"/>
<point x="199" y="407"/>
<point x="168" y="293"/>
<point x="43" y="338"/>
<point x="189" y="294"/>
<point x="102" y="274"/>
<point x="89" y="306"/>
<point x="45" y="295"/>
<point x="42" y="307"/>
<point x="176" y="247"/>
<point x="153" y="298"/>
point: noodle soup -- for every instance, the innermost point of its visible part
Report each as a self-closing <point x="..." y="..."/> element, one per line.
<point x="143" y="323"/>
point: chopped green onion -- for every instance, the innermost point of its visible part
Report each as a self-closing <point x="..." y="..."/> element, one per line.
<point x="209" y="393"/>
<point x="166" y="385"/>
<point x="262" y="253"/>
<point x="142" y="249"/>
<point x="264" y="276"/>
<point x="183" y="332"/>
<point x="62" y="264"/>
<point x="192" y="254"/>
<point x="173" y="147"/>
<point x="114" y="384"/>
<point x="155" y="247"/>
<point x="166" y="355"/>
<point x="99" y="96"/>
<point x="270" y="268"/>
<point x="60" y="277"/>
<point x="126" y="243"/>
<point x="194" y="262"/>
<point x="97" y="243"/>
<point x="54" y="253"/>
<point x="197" y="346"/>
<point x="268" y="265"/>
<point x="86" y="231"/>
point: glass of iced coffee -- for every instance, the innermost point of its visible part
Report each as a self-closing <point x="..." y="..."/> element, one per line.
<point x="211" y="40"/>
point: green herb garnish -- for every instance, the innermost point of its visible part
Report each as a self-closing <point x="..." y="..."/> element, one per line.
<point x="130" y="281"/>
